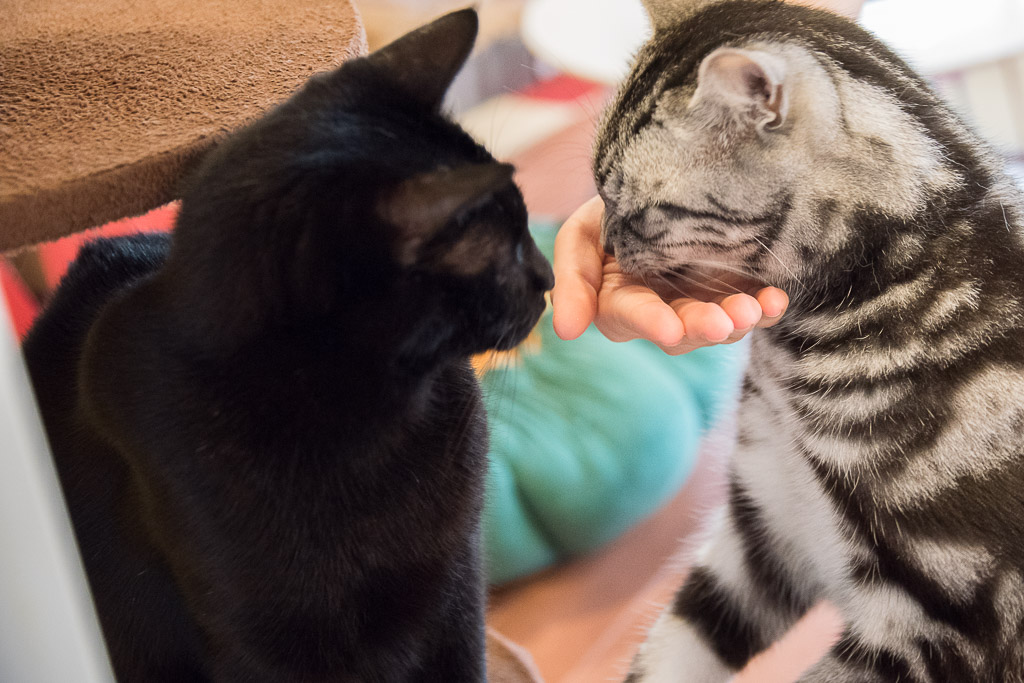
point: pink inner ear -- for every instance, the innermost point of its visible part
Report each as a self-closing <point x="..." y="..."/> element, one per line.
<point x="737" y="78"/>
<point x="749" y="78"/>
<point x="757" y="82"/>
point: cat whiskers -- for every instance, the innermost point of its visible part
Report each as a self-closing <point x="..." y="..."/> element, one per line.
<point x="504" y="390"/>
<point x="704" y="273"/>
<point x="724" y="266"/>
<point x="492" y="363"/>
<point x="703" y="286"/>
<point x="793" y="275"/>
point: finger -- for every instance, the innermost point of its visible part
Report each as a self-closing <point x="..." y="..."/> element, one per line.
<point x="578" y="270"/>
<point x="802" y="646"/>
<point x="744" y="311"/>
<point x="702" y="321"/>
<point x="694" y="339"/>
<point x="773" y="302"/>
<point x="704" y="325"/>
<point x="632" y="311"/>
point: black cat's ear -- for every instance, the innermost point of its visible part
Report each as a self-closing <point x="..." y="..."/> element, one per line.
<point x="420" y="206"/>
<point x="424" y="62"/>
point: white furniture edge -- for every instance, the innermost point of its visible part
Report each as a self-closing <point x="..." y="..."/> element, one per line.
<point x="48" y="627"/>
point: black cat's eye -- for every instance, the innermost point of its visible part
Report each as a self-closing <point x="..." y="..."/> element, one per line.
<point x="520" y="254"/>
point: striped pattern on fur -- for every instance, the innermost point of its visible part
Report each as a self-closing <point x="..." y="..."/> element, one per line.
<point x="880" y="458"/>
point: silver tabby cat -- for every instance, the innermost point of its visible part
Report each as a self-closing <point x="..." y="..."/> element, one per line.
<point x="880" y="459"/>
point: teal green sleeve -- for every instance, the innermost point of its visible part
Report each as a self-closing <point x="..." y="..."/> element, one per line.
<point x="588" y="437"/>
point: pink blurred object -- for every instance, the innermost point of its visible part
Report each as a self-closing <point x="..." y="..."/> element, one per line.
<point x="21" y="304"/>
<point x="804" y="644"/>
<point x="56" y="256"/>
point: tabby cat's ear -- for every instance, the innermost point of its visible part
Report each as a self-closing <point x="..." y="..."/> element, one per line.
<point x="425" y="61"/>
<point x="744" y="82"/>
<point x="420" y="206"/>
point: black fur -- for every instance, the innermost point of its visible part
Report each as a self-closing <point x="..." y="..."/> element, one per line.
<point x="874" y="665"/>
<point x="703" y="602"/>
<point x="267" y="429"/>
<point x="768" y="573"/>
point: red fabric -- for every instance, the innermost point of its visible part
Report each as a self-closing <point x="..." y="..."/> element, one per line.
<point x="57" y="256"/>
<point x="21" y="304"/>
<point x="562" y="88"/>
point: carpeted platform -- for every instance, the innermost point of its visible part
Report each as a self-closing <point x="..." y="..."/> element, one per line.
<point x="104" y="107"/>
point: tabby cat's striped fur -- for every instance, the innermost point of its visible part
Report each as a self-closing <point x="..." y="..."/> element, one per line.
<point x="880" y="460"/>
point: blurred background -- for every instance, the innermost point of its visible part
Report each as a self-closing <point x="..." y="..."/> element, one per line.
<point x="534" y="88"/>
<point x="973" y="51"/>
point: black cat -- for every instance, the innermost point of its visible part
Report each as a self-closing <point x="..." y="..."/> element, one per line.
<point x="266" y="426"/>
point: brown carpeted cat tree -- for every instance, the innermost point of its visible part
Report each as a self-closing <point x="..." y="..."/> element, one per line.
<point x="106" y="105"/>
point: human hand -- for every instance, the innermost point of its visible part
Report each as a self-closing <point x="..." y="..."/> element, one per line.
<point x="802" y="646"/>
<point x="590" y="287"/>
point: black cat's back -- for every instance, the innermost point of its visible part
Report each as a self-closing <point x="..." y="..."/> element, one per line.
<point x="121" y="568"/>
